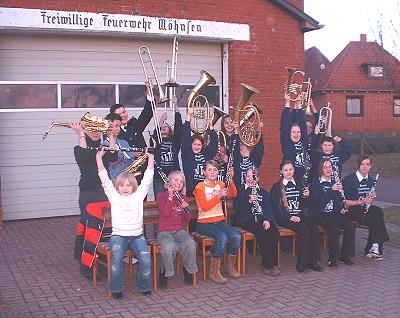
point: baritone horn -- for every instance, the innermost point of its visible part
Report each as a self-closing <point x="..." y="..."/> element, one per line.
<point x="89" y="123"/>
<point x="203" y="112"/>
<point x="248" y="117"/>
<point x="294" y="85"/>
<point x="325" y="121"/>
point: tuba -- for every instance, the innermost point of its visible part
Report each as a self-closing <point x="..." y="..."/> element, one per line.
<point x="90" y="123"/>
<point x="248" y="117"/>
<point x="202" y="111"/>
<point x="325" y="121"/>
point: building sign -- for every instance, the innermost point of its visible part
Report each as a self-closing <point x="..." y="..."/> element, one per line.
<point x="38" y="19"/>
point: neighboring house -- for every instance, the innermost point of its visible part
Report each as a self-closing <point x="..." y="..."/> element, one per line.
<point x="362" y="85"/>
<point x="59" y="59"/>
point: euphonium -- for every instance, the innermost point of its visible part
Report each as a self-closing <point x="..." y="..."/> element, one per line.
<point x="325" y="121"/>
<point x="248" y="117"/>
<point x="202" y="111"/>
<point x="90" y="123"/>
<point x="294" y="85"/>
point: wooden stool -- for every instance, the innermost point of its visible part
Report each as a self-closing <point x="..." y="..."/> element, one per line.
<point x="284" y="232"/>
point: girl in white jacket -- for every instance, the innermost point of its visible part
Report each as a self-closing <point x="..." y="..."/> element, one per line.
<point x="126" y="199"/>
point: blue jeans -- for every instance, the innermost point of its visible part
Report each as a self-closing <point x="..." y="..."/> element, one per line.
<point x="221" y="232"/>
<point x="138" y="244"/>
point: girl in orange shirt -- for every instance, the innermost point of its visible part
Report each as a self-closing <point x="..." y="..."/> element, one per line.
<point x="211" y="220"/>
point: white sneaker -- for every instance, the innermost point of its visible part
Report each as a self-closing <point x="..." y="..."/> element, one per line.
<point x="374" y="248"/>
<point x="126" y="260"/>
<point x="375" y="256"/>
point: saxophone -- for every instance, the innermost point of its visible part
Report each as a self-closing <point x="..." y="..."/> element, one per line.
<point x="134" y="167"/>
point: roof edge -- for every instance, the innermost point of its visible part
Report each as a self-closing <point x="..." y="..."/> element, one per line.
<point x="308" y="23"/>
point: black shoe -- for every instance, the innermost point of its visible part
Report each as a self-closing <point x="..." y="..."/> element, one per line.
<point x="162" y="280"/>
<point x="147" y="293"/>
<point x="315" y="266"/>
<point x="117" y="295"/>
<point x="301" y="268"/>
<point x="188" y="277"/>
<point x="347" y="261"/>
<point x="332" y="264"/>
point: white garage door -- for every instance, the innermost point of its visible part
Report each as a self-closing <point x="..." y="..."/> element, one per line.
<point x="49" y="78"/>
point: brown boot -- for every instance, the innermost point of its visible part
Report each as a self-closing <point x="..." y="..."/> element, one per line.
<point x="231" y="266"/>
<point x="215" y="274"/>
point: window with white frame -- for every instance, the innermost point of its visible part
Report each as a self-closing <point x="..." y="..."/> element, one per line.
<point x="354" y="106"/>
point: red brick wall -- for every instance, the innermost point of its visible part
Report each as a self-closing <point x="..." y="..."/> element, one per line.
<point x="276" y="42"/>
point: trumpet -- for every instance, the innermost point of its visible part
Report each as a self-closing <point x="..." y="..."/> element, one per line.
<point x="134" y="167"/>
<point x="325" y="121"/>
<point x="248" y="117"/>
<point x="89" y="123"/>
<point x="306" y="96"/>
<point x="202" y="111"/>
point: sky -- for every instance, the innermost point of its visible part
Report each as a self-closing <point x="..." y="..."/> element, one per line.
<point x="345" y="20"/>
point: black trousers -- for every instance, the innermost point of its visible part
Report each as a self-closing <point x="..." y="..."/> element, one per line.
<point x="267" y="241"/>
<point x="309" y="242"/>
<point x="333" y="224"/>
<point x="375" y="222"/>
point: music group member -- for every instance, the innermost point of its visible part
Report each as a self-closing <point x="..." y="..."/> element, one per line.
<point x="246" y="157"/>
<point x="288" y="200"/>
<point x="124" y="158"/>
<point x="262" y="225"/>
<point x="90" y="189"/>
<point x="167" y="150"/>
<point x="327" y="210"/>
<point x="126" y="199"/>
<point x="228" y="128"/>
<point x="328" y="151"/>
<point x="309" y="123"/>
<point x="195" y="153"/>
<point x="293" y="135"/>
<point x="359" y="192"/>
<point x="171" y="236"/>
<point x="132" y="128"/>
<point x="211" y="221"/>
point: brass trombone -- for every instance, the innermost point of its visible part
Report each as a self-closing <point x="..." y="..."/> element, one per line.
<point x="170" y="82"/>
<point x="143" y="52"/>
<point x="89" y="123"/>
<point x="325" y="121"/>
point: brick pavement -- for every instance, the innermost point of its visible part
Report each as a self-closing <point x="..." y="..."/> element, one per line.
<point x="39" y="278"/>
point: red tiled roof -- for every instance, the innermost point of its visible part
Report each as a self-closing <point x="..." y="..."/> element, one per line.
<point x="315" y="64"/>
<point x="349" y="70"/>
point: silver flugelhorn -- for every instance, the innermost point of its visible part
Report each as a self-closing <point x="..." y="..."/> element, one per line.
<point x="325" y="121"/>
<point x="147" y="61"/>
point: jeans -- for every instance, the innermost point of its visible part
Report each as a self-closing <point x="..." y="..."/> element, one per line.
<point x="138" y="244"/>
<point x="221" y="232"/>
<point x="177" y="241"/>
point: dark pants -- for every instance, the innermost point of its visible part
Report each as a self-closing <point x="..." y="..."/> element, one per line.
<point x="375" y="222"/>
<point x="267" y="241"/>
<point x="333" y="224"/>
<point x="309" y="245"/>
